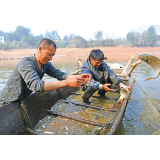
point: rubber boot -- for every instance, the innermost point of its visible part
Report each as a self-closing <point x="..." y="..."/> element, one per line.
<point x="102" y="93"/>
<point x="88" y="93"/>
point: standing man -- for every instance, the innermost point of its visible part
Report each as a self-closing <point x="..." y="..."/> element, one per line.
<point x="27" y="74"/>
<point x="102" y="77"/>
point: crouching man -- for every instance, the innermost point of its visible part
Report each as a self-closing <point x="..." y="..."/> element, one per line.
<point x="102" y="77"/>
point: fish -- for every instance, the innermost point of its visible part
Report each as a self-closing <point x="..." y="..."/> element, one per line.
<point x="66" y="128"/>
<point x="123" y="92"/>
<point x="49" y="132"/>
<point x="153" y="61"/>
<point x="76" y="112"/>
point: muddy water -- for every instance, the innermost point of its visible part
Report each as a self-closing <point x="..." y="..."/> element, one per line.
<point x="130" y="123"/>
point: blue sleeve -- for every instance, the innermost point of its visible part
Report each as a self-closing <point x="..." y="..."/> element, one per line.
<point x="93" y="83"/>
<point x="56" y="73"/>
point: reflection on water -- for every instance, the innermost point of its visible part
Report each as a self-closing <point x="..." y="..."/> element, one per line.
<point x="130" y="123"/>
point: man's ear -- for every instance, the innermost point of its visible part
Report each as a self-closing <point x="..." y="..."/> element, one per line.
<point x="40" y="49"/>
<point x="90" y="58"/>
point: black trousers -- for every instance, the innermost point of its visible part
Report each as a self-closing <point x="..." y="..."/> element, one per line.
<point x="89" y="91"/>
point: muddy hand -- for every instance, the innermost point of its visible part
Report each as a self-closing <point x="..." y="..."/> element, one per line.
<point x="105" y="87"/>
<point x="86" y="77"/>
<point x="75" y="81"/>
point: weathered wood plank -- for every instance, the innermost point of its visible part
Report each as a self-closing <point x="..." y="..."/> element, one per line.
<point x="100" y="97"/>
<point x="77" y="119"/>
<point x="89" y="106"/>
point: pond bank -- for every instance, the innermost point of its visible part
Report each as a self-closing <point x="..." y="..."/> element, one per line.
<point x="112" y="53"/>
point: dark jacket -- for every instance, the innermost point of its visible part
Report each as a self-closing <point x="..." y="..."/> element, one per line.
<point x="26" y="78"/>
<point x="109" y="75"/>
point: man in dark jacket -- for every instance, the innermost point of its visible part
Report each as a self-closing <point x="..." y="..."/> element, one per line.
<point x="29" y="71"/>
<point x="102" y="77"/>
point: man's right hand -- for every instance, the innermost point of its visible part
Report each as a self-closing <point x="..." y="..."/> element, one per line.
<point x="71" y="81"/>
<point x="105" y="87"/>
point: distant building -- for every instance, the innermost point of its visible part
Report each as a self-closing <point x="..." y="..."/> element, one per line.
<point x="1" y="39"/>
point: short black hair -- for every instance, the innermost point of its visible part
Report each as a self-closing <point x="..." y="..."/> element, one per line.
<point x="97" y="54"/>
<point x="45" y="43"/>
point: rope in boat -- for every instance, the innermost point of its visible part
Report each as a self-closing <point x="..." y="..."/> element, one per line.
<point x="142" y="89"/>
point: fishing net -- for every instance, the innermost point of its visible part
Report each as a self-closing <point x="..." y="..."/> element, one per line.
<point x="150" y="116"/>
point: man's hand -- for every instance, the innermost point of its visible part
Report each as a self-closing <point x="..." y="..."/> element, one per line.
<point x="77" y="80"/>
<point x="71" y="81"/>
<point x="105" y="87"/>
<point x="87" y="77"/>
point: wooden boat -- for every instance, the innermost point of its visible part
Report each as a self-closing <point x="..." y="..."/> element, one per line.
<point x="16" y="117"/>
<point x="25" y="117"/>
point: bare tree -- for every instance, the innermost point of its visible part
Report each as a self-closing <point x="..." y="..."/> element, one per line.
<point x="98" y="35"/>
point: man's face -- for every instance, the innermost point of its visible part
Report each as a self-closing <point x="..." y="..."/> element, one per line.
<point x="47" y="54"/>
<point x="95" y="63"/>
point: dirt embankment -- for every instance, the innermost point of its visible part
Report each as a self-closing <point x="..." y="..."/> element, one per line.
<point x="112" y="53"/>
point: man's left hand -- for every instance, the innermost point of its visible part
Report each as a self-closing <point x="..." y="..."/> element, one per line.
<point x="87" y="77"/>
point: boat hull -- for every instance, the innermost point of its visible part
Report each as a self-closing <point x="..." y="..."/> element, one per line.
<point x="16" y="117"/>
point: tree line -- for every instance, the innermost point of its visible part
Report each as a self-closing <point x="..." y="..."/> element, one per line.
<point x="23" y="38"/>
<point x="147" y="38"/>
